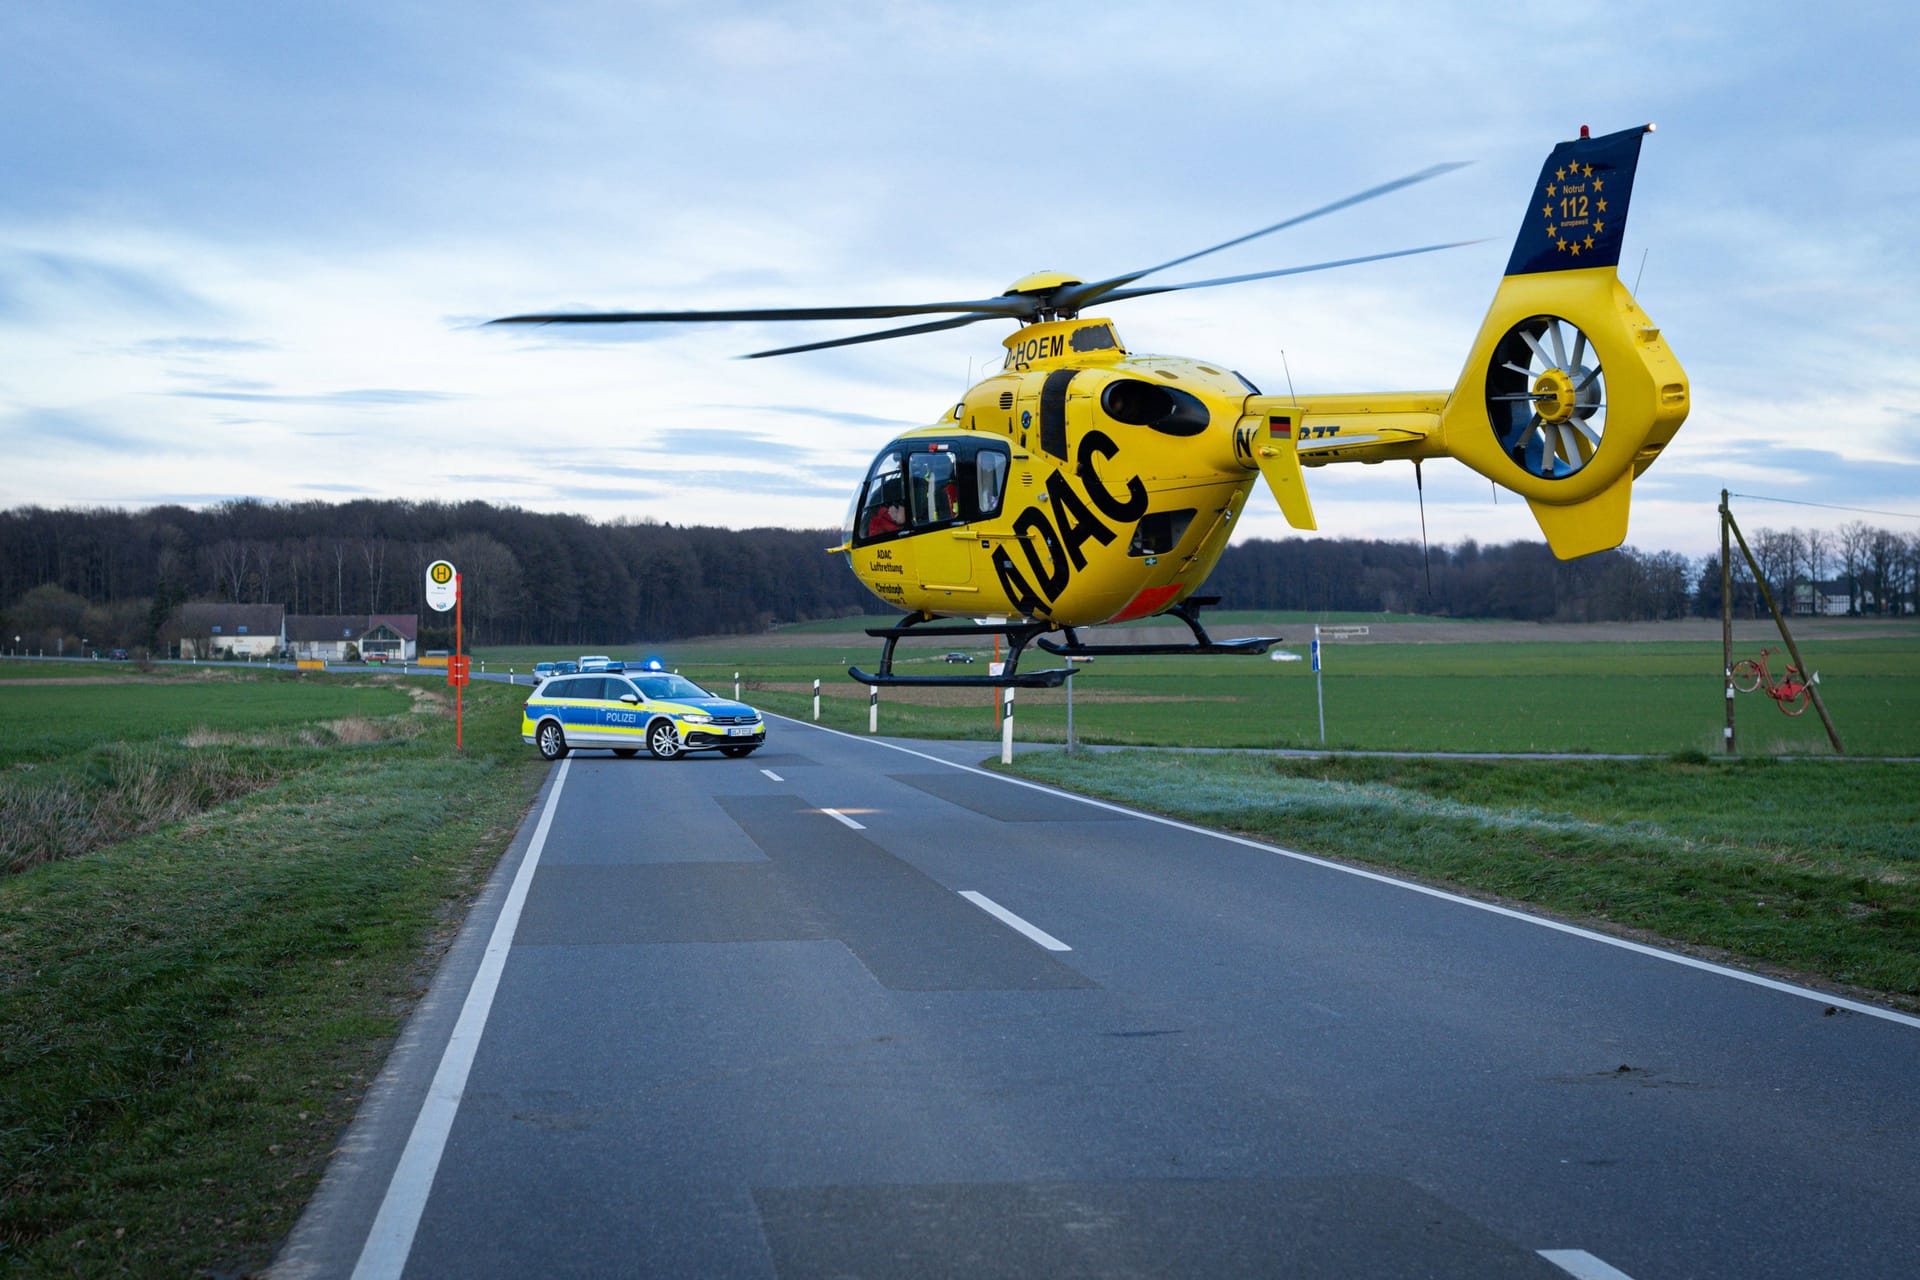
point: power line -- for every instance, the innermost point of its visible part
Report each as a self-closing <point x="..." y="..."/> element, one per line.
<point x="1826" y="506"/>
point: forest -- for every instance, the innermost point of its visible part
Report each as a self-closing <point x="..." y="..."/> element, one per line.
<point x="112" y="577"/>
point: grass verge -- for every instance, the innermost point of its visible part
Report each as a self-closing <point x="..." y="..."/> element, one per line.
<point x="1808" y="867"/>
<point x="191" y="1014"/>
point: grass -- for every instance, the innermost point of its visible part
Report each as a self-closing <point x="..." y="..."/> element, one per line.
<point x="1807" y="866"/>
<point x="192" y="1013"/>
<point x="1527" y="695"/>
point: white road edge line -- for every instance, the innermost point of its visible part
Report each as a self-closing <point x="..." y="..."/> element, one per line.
<point x="1582" y="1265"/>
<point x="838" y="816"/>
<point x="1606" y="939"/>
<point x="1013" y="921"/>
<point x="390" y="1239"/>
<point x="771" y="774"/>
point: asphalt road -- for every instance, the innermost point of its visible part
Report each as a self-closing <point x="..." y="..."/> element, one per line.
<point x="846" y="1008"/>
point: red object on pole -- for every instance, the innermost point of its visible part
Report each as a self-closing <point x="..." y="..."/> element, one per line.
<point x="461" y="661"/>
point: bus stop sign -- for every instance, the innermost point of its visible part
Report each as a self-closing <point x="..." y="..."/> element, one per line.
<point x="442" y="585"/>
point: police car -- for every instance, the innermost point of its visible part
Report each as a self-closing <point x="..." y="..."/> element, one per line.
<point x="667" y="714"/>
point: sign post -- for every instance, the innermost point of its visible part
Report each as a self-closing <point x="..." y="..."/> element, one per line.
<point x="443" y="593"/>
<point x="1319" y="692"/>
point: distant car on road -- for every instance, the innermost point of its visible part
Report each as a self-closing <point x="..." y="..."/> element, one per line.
<point x="594" y="662"/>
<point x="116" y="655"/>
<point x="544" y="670"/>
<point x="959" y="657"/>
<point x="667" y="714"/>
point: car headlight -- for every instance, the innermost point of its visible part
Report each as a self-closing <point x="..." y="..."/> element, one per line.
<point x="694" y="717"/>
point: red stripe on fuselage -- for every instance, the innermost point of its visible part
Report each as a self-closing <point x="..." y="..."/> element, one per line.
<point x="1147" y="603"/>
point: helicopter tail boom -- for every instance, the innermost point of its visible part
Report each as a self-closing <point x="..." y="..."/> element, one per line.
<point x="1568" y="393"/>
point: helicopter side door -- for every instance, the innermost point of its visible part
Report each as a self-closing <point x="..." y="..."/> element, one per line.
<point x="915" y="509"/>
<point x="933" y="505"/>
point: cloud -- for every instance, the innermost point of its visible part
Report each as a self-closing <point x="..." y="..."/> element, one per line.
<point x="43" y="430"/>
<point x="699" y="443"/>
<point x="375" y="397"/>
<point x="39" y="284"/>
<point x="201" y="346"/>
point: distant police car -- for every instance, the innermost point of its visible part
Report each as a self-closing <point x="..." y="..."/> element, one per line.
<point x="667" y="714"/>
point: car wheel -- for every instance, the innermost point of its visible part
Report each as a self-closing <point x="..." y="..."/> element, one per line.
<point x="552" y="742"/>
<point x="737" y="752"/>
<point x="663" y="740"/>
<point x="626" y="753"/>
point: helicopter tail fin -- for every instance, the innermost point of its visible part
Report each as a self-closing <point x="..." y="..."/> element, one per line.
<point x="1569" y="391"/>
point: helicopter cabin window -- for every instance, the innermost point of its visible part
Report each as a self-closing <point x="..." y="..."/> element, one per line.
<point x="934" y="485"/>
<point x="990" y="480"/>
<point x="933" y="497"/>
<point x="1159" y="532"/>
<point x="883" y="504"/>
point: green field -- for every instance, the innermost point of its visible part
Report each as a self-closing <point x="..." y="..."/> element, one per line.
<point x="1528" y="693"/>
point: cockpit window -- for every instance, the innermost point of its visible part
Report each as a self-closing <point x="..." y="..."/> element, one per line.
<point x="930" y="484"/>
<point x="883" y="504"/>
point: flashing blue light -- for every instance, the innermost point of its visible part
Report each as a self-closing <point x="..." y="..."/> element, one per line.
<point x="654" y="664"/>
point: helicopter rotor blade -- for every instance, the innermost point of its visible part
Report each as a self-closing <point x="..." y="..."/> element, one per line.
<point x="986" y="308"/>
<point x="881" y="336"/>
<point x="1082" y="295"/>
<point x="1145" y="290"/>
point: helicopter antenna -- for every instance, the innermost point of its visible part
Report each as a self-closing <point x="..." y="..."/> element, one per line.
<point x="1426" y="556"/>
<point x="1642" y="271"/>
<point x="1291" y="393"/>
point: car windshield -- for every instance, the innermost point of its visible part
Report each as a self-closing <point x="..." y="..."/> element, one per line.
<point x="669" y="687"/>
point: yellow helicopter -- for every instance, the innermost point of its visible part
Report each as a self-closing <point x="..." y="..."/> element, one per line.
<point x="1084" y="484"/>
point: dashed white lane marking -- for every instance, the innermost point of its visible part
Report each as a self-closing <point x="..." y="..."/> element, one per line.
<point x="771" y="774"/>
<point x="391" y="1238"/>
<point x="837" y="816"/>
<point x="1582" y="1265"/>
<point x="1013" y="921"/>
<point x="1605" y="939"/>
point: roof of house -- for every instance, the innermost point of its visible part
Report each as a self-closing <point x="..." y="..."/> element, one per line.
<point x="312" y="627"/>
<point x="407" y="624"/>
<point x="230" y="619"/>
<point x="317" y="628"/>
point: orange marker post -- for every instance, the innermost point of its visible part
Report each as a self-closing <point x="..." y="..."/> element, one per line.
<point x="457" y="672"/>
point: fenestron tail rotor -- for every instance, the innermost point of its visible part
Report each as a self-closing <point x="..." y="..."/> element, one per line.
<point x="1547" y="396"/>
<point x="1047" y="296"/>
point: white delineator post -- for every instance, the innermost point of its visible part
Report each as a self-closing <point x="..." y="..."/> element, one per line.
<point x="1006" y="725"/>
<point x="873" y="708"/>
<point x="1319" y="690"/>
<point x="816" y="701"/>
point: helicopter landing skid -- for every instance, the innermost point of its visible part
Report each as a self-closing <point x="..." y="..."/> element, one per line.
<point x="1018" y="635"/>
<point x="1187" y="611"/>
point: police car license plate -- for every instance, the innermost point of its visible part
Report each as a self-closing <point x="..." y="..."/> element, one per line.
<point x="740" y="731"/>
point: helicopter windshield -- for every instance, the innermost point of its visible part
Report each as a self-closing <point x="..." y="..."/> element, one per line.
<point x="929" y="484"/>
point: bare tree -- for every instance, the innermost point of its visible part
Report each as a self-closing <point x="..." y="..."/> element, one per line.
<point x="230" y="559"/>
<point x="1819" y="557"/>
<point x="1853" y="538"/>
<point x="339" y="575"/>
<point x="264" y="553"/>
<point x="1775" y="553"/>
<point x="1882" y="567"/>
<point x="374" y="551"/>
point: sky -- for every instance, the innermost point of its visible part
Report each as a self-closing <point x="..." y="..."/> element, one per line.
<point x="246" y="249"/>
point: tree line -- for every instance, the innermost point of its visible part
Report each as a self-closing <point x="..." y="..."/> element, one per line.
<point x="112" y="576"/>
<point x="1857" y="569"/>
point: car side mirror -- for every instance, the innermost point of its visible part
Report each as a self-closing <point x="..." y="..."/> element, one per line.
<point x="630" y="697"/>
